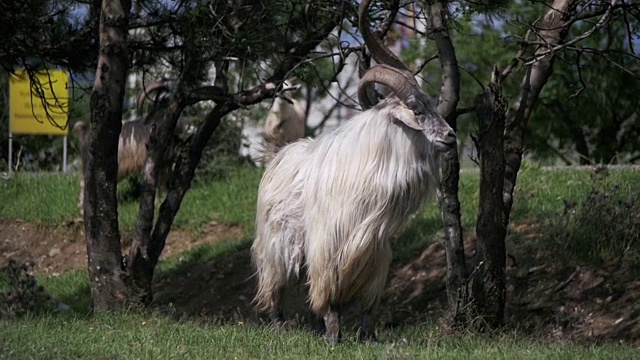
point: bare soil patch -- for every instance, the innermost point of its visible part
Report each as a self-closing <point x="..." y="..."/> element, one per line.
<point x="546" y="299"/>
<point x="61" y="249"/>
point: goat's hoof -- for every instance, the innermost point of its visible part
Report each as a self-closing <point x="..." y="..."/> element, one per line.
<point x="278" y="326"/>
<point x="318" y="330"/>
<point x="332" y="339"/>
<point x="367" y="336"/>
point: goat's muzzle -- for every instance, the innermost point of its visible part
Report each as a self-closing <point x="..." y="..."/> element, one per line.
<point x="447" y="141"/>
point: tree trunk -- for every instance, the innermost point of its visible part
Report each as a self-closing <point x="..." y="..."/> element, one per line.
<point x="553" y="28"/>
<point x="161" y="144"/>
<point x="448" y="191"/>
<point x="498" y="173"/>
<point x="150" y="239"/>
<point x="488" y="288"/>
<point x="161" y="152"/>
<point x="453" y="242"/>
<point x="100" y="161"/>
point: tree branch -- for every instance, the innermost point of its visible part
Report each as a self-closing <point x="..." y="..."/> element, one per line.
<point x="390" y="19"/>
<point x="604" y="20"/>
<point x="584" y="15"/>
<point x="450" y="90"/>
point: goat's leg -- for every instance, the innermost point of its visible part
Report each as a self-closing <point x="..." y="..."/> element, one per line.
<point x="367" y="328"/>
<point x="276" y="314"/>
<point x="332" y="324"/>
<point x="81" y="196"/>
<point x="277" y="319"/>
<point x="157" y="201"/>
<point x="317" y="323"/>
<point x="314" y="320"/>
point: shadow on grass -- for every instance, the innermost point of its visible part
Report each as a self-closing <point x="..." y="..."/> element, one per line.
<point x="217" y="283"/>
<point x="213" y="282"/>
<point x="578" y="277"/>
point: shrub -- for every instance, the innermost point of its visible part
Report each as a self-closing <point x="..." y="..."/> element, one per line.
<point x="21" y="293"/>
<point x="603" y="227"/>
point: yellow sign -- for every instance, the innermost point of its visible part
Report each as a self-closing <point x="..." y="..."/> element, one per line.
<point x="42" y="108"/>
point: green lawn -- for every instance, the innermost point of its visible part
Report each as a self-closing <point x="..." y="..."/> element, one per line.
<point x="541" y="196"/>
<point x="51" y="199"/>
<point x="154" y="337"/>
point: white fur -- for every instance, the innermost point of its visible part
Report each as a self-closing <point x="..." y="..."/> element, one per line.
<point x="285" y="121"/>
<point x="332" y="205"/>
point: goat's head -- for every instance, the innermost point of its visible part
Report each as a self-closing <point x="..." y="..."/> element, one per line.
<point x="79" y="129"/>
<point x="391" y="72"/>
<point x="156" y="86"/>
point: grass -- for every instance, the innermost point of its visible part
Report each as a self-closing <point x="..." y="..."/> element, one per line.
<point x="138" y="336"/>
<point x="51" y="199"/>
<point x="48" y="199"/>
<point x="584" y="218"/>
<point x="232" y="201"/>
<point x="541" y="195"/>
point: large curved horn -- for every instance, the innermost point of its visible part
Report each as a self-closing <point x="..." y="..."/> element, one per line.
<point x="400" y="81"/>
<point x="154" y="86"/>
<point x="391" y="72"/>
<point x="378" y="49"/>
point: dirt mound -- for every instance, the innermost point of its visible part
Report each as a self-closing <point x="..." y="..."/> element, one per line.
<point x="545" y="299"/>
<point x="60" y="249"/>
<point x="53" y="251"/>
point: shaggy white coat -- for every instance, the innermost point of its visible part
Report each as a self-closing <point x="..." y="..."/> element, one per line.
<point x="332" y="205"/>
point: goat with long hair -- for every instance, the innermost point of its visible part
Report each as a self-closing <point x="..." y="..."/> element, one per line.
<point x="329" y="208"/>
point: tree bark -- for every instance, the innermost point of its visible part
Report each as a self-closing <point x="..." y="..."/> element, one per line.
<point x="448" y="190"/>
<point x="488" y="289"/>
<point x="453" y="242"/>
<point x="450" y="89"/>
<point x="100" y="163"/>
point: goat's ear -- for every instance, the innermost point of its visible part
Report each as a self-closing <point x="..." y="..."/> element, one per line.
<point x="406" y="116"/>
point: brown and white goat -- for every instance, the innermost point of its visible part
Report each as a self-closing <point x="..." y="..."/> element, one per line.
<point x="132" y="144"/>
<point x="328" y="208"/>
